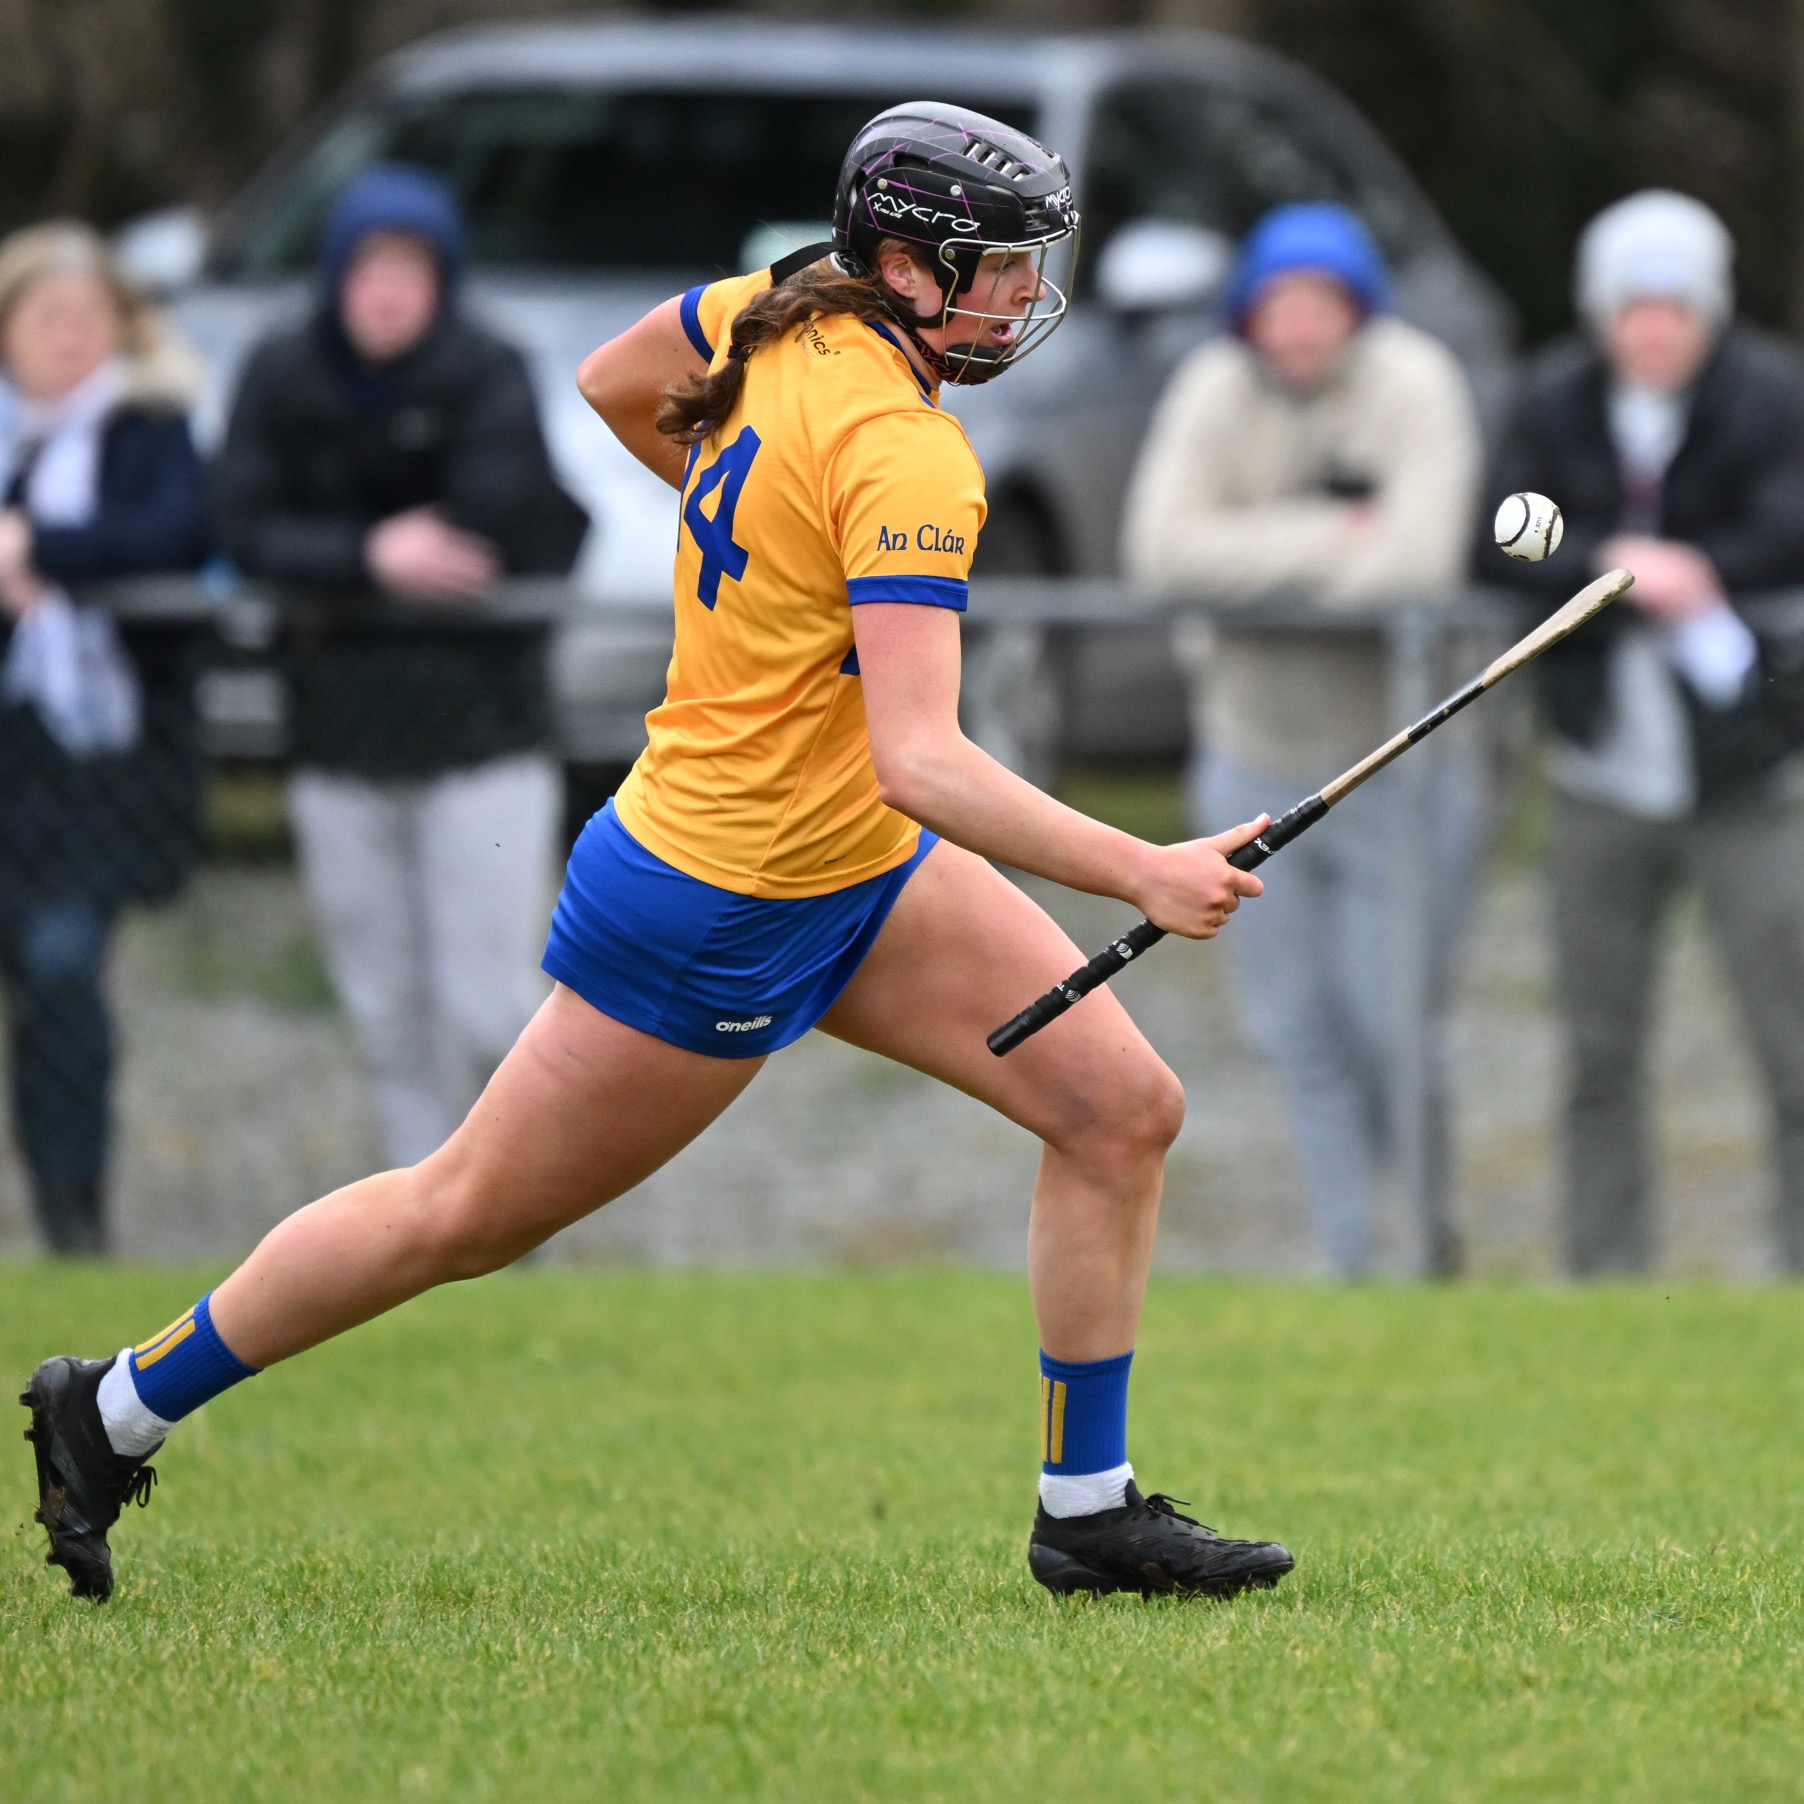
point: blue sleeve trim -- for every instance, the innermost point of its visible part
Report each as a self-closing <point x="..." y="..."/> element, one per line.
<point x="927" y="591"/>
<point x="692" y="322"/>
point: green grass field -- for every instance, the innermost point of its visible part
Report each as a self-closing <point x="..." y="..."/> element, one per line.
<point x="636" y="1536"/>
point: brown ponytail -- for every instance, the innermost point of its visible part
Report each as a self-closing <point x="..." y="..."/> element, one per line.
<point x="691" y="407"/>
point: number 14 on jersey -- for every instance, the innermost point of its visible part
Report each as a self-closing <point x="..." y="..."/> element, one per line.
<point x="722" y="555"/>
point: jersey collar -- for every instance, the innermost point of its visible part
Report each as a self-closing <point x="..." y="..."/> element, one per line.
<point x="889" y="338"/>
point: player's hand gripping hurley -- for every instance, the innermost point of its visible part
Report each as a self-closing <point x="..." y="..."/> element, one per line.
<point x="1588" y="602"/>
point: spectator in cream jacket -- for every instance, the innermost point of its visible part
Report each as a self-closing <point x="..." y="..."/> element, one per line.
<point x="1326" y="449"/>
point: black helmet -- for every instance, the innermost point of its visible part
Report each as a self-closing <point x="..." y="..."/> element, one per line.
<point x="957" y="184"/>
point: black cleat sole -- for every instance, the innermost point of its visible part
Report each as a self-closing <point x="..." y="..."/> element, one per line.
<point x="1066" y="1577"/>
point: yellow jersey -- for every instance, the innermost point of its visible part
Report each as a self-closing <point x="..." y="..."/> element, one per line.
<point x="835" y="480"/>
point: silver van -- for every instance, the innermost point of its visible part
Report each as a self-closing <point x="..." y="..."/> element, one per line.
<point x="604" y="166"/>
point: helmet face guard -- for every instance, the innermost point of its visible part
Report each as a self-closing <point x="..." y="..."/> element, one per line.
<point x="985" y="356"/>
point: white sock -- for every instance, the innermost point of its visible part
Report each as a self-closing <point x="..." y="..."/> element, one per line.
<point x="1084" y="1493"/>
<point x="132" y="1429"/>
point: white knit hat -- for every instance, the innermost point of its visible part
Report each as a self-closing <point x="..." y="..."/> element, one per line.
<point x="1656" y="245"/>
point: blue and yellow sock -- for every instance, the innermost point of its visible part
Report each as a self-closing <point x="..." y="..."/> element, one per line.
<point x="1083" y="1434"/>
<point x="153" y="1385"/>
<point x="175" y="1372"/>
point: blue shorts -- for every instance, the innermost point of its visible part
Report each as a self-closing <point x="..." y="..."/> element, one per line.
<point x="703" y="968"/>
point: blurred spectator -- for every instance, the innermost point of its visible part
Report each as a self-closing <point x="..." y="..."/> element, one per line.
<point x="99" y="769"/>
<point x="389" y="448"/>
<point x="1673" y="438"/>
<point x="1323" y="446"/>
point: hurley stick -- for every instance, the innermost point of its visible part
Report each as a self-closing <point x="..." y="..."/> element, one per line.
<point x="1588" y="602"/>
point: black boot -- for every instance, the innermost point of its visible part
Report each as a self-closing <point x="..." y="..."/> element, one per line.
<point x="82" y="1483"/>
<point x="1148" y="1546"/>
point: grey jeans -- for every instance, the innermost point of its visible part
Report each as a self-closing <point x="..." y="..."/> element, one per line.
<point x="433" y="898"/>
<point x="1318" y="961"/>
<point x="1613" y="876"/>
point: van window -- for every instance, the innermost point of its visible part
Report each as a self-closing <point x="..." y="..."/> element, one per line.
<point x="556" y="179"/>
<point x="1221" y="157"/>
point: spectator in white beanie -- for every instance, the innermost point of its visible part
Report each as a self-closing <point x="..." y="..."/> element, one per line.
<point x="1673" y="437"/>
<point x="1656" y="245"/>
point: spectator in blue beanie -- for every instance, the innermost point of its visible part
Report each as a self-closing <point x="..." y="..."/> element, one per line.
<point x="1324" y="448"/>
<point x="384" y="463"/>
<point x="1316" y="239"/>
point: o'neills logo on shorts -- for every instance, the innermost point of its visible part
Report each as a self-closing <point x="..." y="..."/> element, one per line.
<point x="742" y="1027"/>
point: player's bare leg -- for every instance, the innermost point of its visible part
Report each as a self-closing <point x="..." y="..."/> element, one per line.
<point x="960" y="941"/>
<point x="580" y="1111"/>
<point x="962" y="944"/>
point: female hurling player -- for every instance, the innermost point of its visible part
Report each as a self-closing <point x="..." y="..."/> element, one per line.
<point x="805" y="843"/>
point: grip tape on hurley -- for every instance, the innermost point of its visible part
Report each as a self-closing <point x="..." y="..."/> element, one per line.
<point x="1119" y="954"/>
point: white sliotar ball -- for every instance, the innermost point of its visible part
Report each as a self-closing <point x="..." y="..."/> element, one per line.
<point x="1529" y="527"/>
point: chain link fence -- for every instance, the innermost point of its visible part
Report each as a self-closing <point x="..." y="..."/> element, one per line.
<point x="240" y="1095"/>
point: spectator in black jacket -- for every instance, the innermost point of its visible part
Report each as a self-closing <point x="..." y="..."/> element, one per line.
<point x="1673" y="438"/>
<point x="385" y="463"/>
<point x="99" y="759"/>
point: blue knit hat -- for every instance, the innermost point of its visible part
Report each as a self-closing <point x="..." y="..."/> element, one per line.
<point x="392" y="197"/>
<point x="1320" y="237"/>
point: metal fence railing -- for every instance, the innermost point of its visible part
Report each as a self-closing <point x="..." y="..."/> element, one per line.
<point x="608" y="656"/>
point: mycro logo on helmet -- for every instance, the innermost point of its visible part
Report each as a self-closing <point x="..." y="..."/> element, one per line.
<point x="742" y="1027"/>
<point x="896" y="206"/>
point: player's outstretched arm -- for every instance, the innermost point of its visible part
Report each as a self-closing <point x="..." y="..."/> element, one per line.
<point x="908" y="657"/>
<point x="625" y="379"/>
